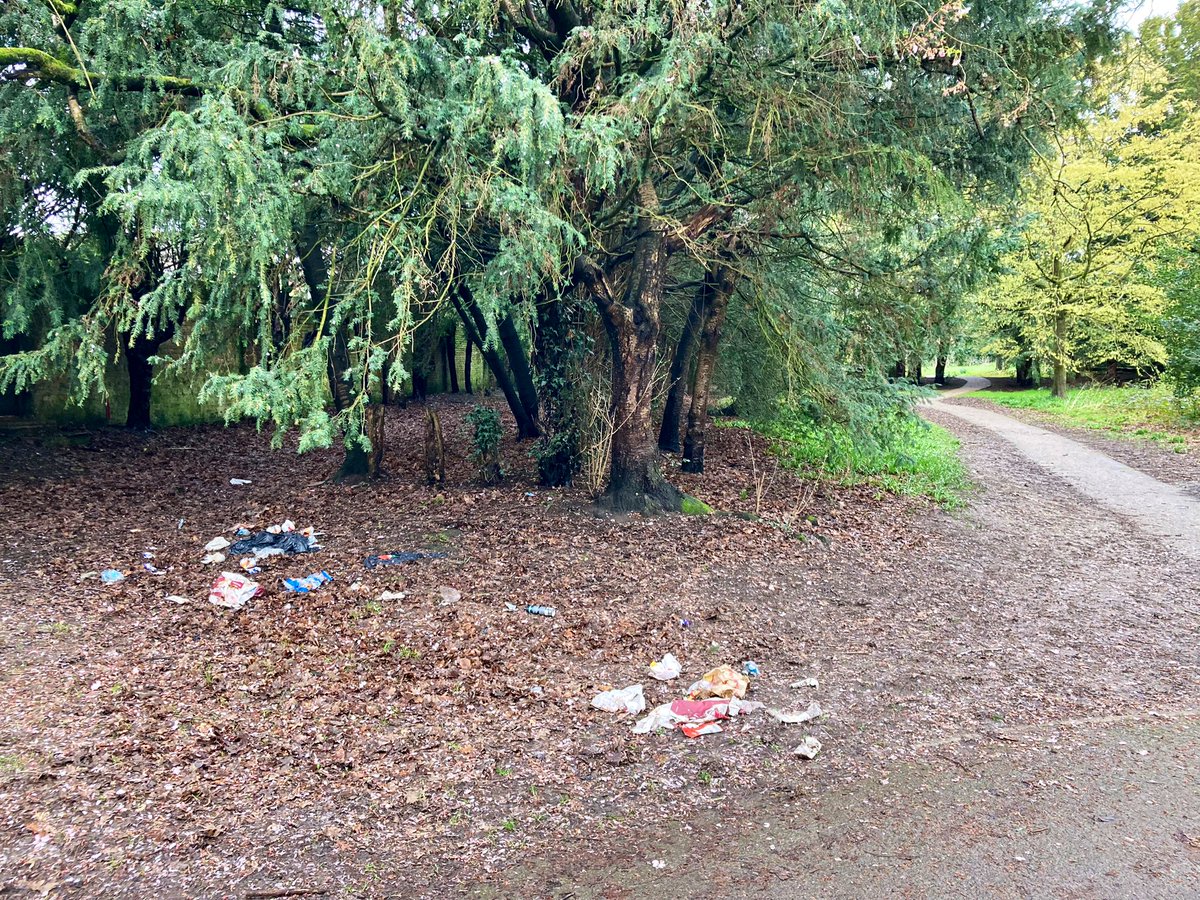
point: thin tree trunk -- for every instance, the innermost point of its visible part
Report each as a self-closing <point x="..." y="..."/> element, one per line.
<point x="899" y="370"/>
<point x="358" y="463"/>
<point x="723" y="280"/>
<point x="635" y="478"/>
<point x="939" y="371"/>
<point x="668" y="432"/>
<point x="467" y="314"/>
<point x="141" y="375"/>
<point x="1060" y="362"/>
<point x="914" y="370"/>
<point x="467" y="364"/>
<point x="518" y="363"/>
<point x="452" y="357"/>
<point x="435" y="451"/>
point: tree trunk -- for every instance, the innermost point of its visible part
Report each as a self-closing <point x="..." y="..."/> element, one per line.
<point x="635" y="478"/>
<point x="668" y="432"/>
<point x="360" y="464"/>
<point x="141" y="375"/>
<point x="1024" y="372"/>
<point x="939" y="371"/>
<point x="518" y="363"/>
<point x="451" y="345"/>
<point x="898" y="371"/>
<point x="435" y="450"/>
<point x="467" y="365"/>
<point x="723" y="280"/>
<point x="473" y="324"/>
<point x="914" y="369"/>
<point x="1060" y="361"/>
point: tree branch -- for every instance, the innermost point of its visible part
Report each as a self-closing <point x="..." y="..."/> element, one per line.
<point x="41" y="66"/>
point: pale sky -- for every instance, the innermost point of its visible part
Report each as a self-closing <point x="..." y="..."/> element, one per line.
<point x="1134" y="12"/>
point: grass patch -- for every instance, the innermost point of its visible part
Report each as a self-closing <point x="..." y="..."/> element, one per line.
<point x="921" y="459"/>
<point x="981" y="370"/>
<point x="1151" y="413"/>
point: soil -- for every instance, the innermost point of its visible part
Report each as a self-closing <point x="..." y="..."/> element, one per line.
<point x="979" y="672"/>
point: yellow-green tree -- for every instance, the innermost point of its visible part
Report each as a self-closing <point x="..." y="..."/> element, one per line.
<point x="1077" y="293"/>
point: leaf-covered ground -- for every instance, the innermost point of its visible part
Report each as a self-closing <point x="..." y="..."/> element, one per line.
<point x="404" y="747"/>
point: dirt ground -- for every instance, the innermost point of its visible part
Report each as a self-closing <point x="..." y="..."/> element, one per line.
<point x="1011" y="692"/>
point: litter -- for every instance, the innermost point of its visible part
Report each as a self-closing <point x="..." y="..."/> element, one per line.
<point x="449" y="595"/>
<point x="285" y="525"/>
<point x="722" y="681"/>
<point x="217" y="543"/>
<point x="232" y="590"/>
<point x="242" y="531"/>
<point x="399" y="559"/>
<point x="809" y="748"/>
<point x="814" y="711"/>
<point x="112" y="576"/>
<point x="628" y="700"/>
<point x="509" y="607"/>
<point x="210" y="558"/>
<point x="548" y="611"/>
<point x="239" y="481"/>
<point x="805" y="683"/>
<point x="177" y="598"/>
<point x="268" y="543"/>
<point x="685" y="623"/>
<point x="147" y="554"/>
<point x="305" y="585"/>
<point x="693" y="717"/>
<point x="750" y="667"/>
<point x="179" y="525"/>
<point x="666" y="668"/>
<point x="393" y="595"/>
<point x="153" y="570"/>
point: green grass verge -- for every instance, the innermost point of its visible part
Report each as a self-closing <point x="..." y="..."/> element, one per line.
<point x="1151" y="413"/>
<point x="983" y="370"/>
<point x="921" y="461"/>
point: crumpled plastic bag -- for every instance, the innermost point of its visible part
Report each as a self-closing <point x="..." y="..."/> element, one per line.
<point x="666" y="668"/>
<point x="814" y="711"/>
<point x="399" y="559"/>
<point x="232" y="591"/>
<point x="217" y="543"/>
<point x="264" y="543"/>
<point x="723" y="681"/>
<point x="308" y="584"/>
<point x="629" y="700"/>
<point x="693" y="717"/>
<point x="809" y="748"/>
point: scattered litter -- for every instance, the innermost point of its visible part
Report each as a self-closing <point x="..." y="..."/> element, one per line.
<point x="809" y="748"/>
<point x="399" y="559"/>
<point x="268" y="543"/>
<point x="86" y="575"/>
<point x="685" y="623"/>
<point x="179" y="525"/>
<point x="449" y="595"/>
<point x="695" y="717"/>
<point x="814" y="711"/>
<point x="232" y="590"/>
<point x="178" y="598"/>
<point x="112" y="576"/>
<point x="658" y="864"/>
<point x="250" y="564"/>
<point x="510" y="607"/>
<point x="805" y="683"/>
<point x="153" y="570"/>
<point x="305" y="585"/>
<point x="750" y="667"/>
<point x="285" y="525"/>
<point x="393" y="595"/>
<point x="147" y="554"/>
<point x="217" y="543"/>
<point x="210" y="558"/>
<point x="239" y="481"/>
<point x="666" y="668"/>
<point x="548" y="611"/>
<point x="629" y="700"/>
<point x="242" y="531"/>
<point x="722" y="681"/>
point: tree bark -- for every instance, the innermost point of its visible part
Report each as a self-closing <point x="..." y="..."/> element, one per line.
<point x="1060" y="361"/>
<point x="518" y="363"/>
<point x="467" y="365"/>
<point x="668" y="432"/>
<point x="722" y="280"/>
<point x="141" y="375"/>
<point x="939" y="371"/>
<point x="635" y="481"/>
<point x="435" y="451"/>
<point x="899" y="370"/>
<point x="475" y="327"/>
<point x="452" y="357"/>
<point x="1024" y="372"/>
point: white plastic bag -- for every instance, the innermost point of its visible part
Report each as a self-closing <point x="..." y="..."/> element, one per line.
<point x="627" y="700"/>
<point x="232" y="591"/>
<point x="666" y="668"/>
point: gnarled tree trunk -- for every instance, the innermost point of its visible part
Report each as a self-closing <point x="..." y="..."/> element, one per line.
<point x="720" y="283"/>
<point x="939" y="370"/>
<point x="635" y="481"/>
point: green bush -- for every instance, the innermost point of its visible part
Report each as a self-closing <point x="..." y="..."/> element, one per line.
<point x="485" y="443"/>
